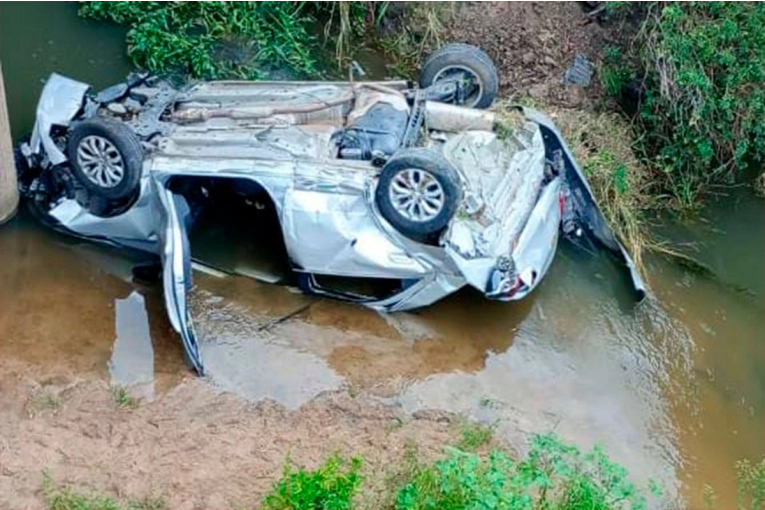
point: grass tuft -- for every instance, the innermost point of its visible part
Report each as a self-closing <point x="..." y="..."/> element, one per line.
<point x="421" y="29"/>
<point x="603" y="145"/>
<point x="44" y="401"/>
<point x="123" y="399"/>
<point x="473" y="435"/>
<point x="67" y="498"/>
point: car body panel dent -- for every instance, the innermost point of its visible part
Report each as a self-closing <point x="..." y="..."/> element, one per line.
<point x="59" y="103"/>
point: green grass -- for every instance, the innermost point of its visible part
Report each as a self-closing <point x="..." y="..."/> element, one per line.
<point x="44" y="401"/>
<point x="473" y="436"/>
<point x="123" y="399"/>
<point x="421" y="30"/>
<point x="68" y="498"/>
<point x="552" y="476"/>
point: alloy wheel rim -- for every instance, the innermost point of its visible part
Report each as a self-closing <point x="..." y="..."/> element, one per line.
<point x="416" y="195"/>
<point x="100" y="161"/>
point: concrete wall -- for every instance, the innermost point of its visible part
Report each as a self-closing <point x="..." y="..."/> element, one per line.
<point x="9" y="192"/>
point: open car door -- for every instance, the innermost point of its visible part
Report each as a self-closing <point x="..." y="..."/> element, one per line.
<point x="176" y="269"/>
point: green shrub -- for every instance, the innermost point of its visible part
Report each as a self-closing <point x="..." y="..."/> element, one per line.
<point x="703" y="100"/>
<point x="250" y="40"/>
<point x="330" y="487"/>
<point x="553" y="476"/>
<point x="213" y="39"/>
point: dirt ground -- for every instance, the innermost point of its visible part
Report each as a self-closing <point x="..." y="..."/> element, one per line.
<point x="532" y="45"/>
<point x="199" y="448"/>
<point x="194" y="447"/>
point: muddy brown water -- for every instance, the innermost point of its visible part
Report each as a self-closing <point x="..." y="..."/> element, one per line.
<point x="673" y="388"/>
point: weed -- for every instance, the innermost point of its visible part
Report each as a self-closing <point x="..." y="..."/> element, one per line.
<point x="330" y="487"/>
<point x="148" y="503"/>
<point x="66" y="498"/>
<point x="553" y="475"/>
<point x="487" y="402"/>
<point x="213" y="39"/>
<point x="122" y="398"/>
<point x="613" y="8"/>
<point x="614" y="76"/>
<point x="473" y="435"/>
<point x="702" y="107"/>
<point x="382" y="494"/>
<point x="421" y="28"/>
<point x="250" y="40"/>
<point x="43" y="401"/>
<point x="604" y="146"/>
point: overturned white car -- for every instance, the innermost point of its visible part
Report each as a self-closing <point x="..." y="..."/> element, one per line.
<point x="419" y="187"/>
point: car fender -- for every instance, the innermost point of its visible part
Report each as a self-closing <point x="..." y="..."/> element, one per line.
<point x="581" y="201"/>
<point x="60" y="101"/>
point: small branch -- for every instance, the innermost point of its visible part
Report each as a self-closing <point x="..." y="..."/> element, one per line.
<point x="270" y="324"/>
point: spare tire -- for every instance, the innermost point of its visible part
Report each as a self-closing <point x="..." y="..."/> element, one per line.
<point x="468" y="64"/>
<point x="106" y="157"/>
<point x="418" y="193"/>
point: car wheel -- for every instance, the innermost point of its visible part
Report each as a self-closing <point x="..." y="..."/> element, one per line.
<point x="106" y="157"/>
<point x="418" y="193"/>
<point x="468" y="64"/>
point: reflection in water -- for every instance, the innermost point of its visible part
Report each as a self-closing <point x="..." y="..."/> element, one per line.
<point x="38" y="38"/>
<point x="241" y="357"/>
<point x="132" y="361"/>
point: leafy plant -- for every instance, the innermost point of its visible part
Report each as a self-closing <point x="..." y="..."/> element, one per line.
<point x="702" y="109"/>
<point x="614" y="75"/>
<point x="553" y="476"/>
<point x="251" y="40"/>
<point x="330" y="487"/>
<point x="122" y="397"/>
<point x="213" y="39"/>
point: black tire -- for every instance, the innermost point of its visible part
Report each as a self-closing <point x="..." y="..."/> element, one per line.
<point x="123" y="141"/>
<point x="433" y="167"/>
<point x="470" y="58"/>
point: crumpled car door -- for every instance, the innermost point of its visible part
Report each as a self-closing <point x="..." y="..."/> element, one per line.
<point x="176" y="270"/>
